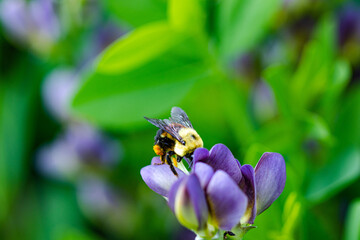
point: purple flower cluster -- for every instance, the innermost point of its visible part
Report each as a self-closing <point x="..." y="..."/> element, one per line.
<point x="78" y="150"/>
<point x="33" y="23"/>
<point x="57" y="91"/>
<point x="349" y="24"/>
<point x="218" y="193"/>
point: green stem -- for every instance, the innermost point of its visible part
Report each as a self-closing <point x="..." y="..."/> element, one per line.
<point x="220" y="236"/>
<point x="239" y="231"/>
<point x="238" y="235"/>
<point x="216" y="237"/>
<point x="182" y="167"/>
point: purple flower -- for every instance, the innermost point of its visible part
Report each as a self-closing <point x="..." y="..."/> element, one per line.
<point x="57" y="91"/>
<point x="263" y="102"/>
<point x="44" y="19"/>
<point x="96" y="197"/>
<point x="219" y="193"/>
<point x="202" y="201"/>
<point x="206" y="199"/>
<point x="105" y="204"/>
<point x="102" y="37"/>
<point x="262" y="185"/>
<point x="14" y="17"/>
<point x="79" y="148"/>
<point x="33" y="23"/>
<point x="349" y="24"/>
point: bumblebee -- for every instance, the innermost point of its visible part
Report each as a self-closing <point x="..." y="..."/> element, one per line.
<point x="175" y="137"/>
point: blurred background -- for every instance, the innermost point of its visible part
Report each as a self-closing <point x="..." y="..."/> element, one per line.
<point x="276" y="75"/>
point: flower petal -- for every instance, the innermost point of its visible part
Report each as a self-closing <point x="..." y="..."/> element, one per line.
<point x="221" y="158"/>
<point x="156" y="161"/>
<point x="270" y="177"/>
<point x="187" y="200"/>
<point x="204" y="173"/>
<point x="247" y="185"/>
<point x="200" y="154"/>
<point x="173" y="191"/>
<point x="227" y="202"/>
<point x="160" y="178"/>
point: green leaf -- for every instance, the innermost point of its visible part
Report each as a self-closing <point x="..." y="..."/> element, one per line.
<point x="289" y="132"/>
<point x="352" y="224"/>
<point x="343" y="170"/>
<point x="253" y="154"/>
<point x="336" y="85"/>
<point x="206" y="111"/>
<point x="59" y="211"/>
<point x="277" y="77"/>
<point x="138" y="47"/>
<point x="291" y="215"/>
<point x="317" y="128"/>
<point x="347" y="127"/>
<point x="235" y="111"/>
<point x="137" y="12"/>
<point x="226" y="13"/>
<point x="122" y="100"/>
<point x="344" y="166"/>
<point x="312" y="76"/>
<point x="73" y="233"/>
<point x="187" y="15"/>
<point x="242" y="24"/>
<point x="16" y="99"/>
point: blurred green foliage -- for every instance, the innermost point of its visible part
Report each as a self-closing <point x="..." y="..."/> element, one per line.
<point x="255" y="75"/>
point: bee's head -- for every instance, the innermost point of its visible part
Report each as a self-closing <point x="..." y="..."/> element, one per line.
<point x="191" y="139"/>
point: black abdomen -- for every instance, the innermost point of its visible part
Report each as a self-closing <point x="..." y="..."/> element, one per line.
<point x="163" y="141"/>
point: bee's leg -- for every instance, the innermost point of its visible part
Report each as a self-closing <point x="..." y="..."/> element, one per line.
<point x="168" y="161"/>
<point x="178" y="158"/>
<point x="174" y="160"/>
<point x="162" y="158"/>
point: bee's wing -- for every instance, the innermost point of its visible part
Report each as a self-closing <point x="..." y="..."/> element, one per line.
<point x="179" y="116"/>
<point x="167" y="126"/>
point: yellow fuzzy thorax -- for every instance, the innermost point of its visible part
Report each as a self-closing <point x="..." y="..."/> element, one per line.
<point x="192" y="141"/>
